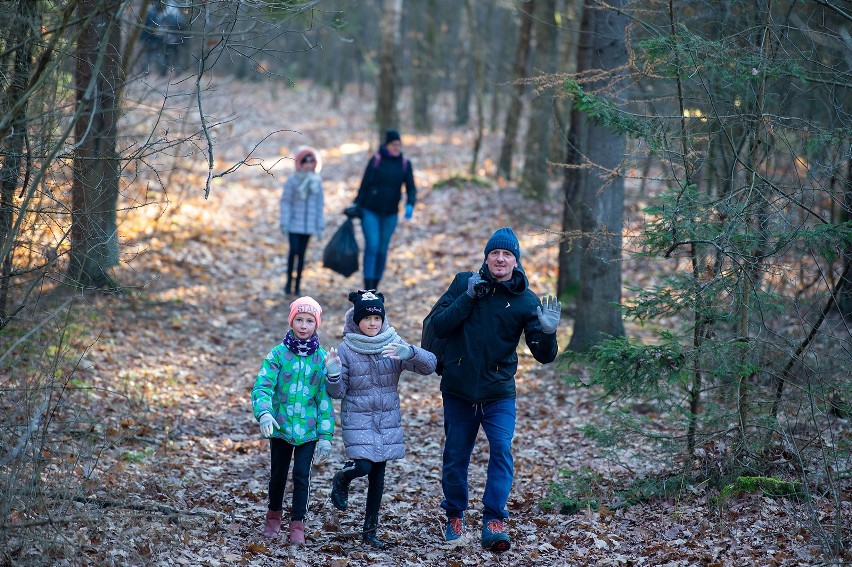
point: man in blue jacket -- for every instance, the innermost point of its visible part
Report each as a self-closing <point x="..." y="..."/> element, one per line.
<point x="482" y="315"/>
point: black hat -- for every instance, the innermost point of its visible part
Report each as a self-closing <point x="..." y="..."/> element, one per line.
<point x="391" y="135"/>
<point x="367" y="303"/>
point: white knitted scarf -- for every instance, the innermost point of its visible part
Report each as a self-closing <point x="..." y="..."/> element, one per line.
<point x="362" y="344"/>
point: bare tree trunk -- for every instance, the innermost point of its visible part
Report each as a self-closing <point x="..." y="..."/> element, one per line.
<point x="464" y="70"/>
<point x="423" y="67"/>
<point x="513" y="112"/>
<point x="534" y="179"/>
<point x="22" y="37"/>
<point x="387" y="115"/>
<point x="478" y="80"/>
<point x="574" y="182"/>
<point x="844" y="296"/>
<point x="603" y="198"/>
<point x="98" y="77"/>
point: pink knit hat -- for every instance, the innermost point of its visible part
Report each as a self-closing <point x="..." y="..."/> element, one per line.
<point x="307" y="305"/>
<point x="303" y="151"/>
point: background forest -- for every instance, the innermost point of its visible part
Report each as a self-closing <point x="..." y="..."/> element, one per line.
<point x="678" y="172"/>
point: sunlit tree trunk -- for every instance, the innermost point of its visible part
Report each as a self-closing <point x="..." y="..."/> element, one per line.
<point x="602" y="204"/>
<point x="387" y="115"/>
<point x="536" y="149"/>
<point x="98" y="77"/>
<point x="516" y="104"/>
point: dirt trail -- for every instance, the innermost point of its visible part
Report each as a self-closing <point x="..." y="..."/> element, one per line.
<point x="212" y="306"/>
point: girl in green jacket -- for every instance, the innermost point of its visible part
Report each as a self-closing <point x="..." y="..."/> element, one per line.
<point x="295" y="412"/>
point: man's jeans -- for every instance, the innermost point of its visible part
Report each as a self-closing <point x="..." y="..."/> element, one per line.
<point x="377" y="236"/>
<point x="461" y="424"/>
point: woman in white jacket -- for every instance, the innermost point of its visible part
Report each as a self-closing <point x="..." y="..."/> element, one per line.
<point x="301" y="212"/>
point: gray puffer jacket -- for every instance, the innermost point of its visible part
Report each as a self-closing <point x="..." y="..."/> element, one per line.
<point x="367" y="386"/>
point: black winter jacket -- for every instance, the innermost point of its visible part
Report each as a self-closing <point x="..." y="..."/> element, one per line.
<point x="381" y="187"/>
<point x="480" y="358"/>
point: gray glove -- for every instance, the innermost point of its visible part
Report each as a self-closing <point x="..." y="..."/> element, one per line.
<point x="476" y="286"/>
<point x="549" y="318"/>
<point x="268" y="425"/>
<point x="322" y="451"/>
<point x="398" y="351"/>
<point x="332" y="363"/>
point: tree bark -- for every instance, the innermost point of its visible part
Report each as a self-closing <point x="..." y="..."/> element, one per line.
<point x="98" y="77"/>
<point x="387" y="115"/>
<point x="422" y="67"/>
<point x="602" y="201"/>
<point x="537" y="147"/>
<point x="513" y="112"/>
<point x="24" y="24"/>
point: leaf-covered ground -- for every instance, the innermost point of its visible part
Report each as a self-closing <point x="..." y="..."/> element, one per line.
<point x="183" y="480"/>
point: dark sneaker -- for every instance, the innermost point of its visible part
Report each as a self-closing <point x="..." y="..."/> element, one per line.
<point x="454" y="529"/>
<point x="494" y="536"/>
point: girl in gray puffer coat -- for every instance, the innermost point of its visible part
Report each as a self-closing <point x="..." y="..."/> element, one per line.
<point x="364" y="374"/>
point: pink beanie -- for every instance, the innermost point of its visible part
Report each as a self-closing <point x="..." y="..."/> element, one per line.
<point x="307" y="305"/>
<point x="302" y="152"/>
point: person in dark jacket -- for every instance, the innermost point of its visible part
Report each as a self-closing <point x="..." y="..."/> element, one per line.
<point x="482" y="315"/>
<point x="378" y="199"/>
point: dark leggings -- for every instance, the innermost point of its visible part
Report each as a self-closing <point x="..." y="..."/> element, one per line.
<point x="375" y="473"/>
<point x="298" y="245"/>
<point x="281" y="452"/>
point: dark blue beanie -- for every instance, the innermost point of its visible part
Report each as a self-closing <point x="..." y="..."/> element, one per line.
<point x="504" y="239"/>
<point x="391" y="136"/>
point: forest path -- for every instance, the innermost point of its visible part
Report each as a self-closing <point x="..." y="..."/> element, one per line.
<point x="186" y="350"/>
<point x="214" y="306"/>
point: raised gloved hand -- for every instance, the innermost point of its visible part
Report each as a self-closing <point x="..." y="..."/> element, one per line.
<point x="268" y="425"/>
<point x="398" y="351"/>
<point x="323" y="450"/>
<point x="409" y="211"/>
<point x="549" y="317"/>
<point x="476" y="286"/>
<point x="332" y="363"/>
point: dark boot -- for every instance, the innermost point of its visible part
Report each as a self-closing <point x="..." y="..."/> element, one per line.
<point x="371" y="524"/>
<point x="375" y="284"/>
<point x="298" y="281"/>
<point x="340" y="491"/>
<point x="368" y="283"/>
<point x="288" y="287"/>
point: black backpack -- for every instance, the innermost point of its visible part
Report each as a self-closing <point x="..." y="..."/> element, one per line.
<point x="428" y="340"/>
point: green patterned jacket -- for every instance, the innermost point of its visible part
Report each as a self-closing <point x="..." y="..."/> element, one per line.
<point x="291" y="388"/>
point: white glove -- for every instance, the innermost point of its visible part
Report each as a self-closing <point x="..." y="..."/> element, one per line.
<point x="332" y="363"/>
<point x="268" y="425"/>
<point x="322" y="451"/>
<point x="398" y="351"/>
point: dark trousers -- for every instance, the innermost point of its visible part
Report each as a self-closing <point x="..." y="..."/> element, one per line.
<point x="281" y="452"/>
<point x="375" y="473"/>
<point x="298" y="246"/>
<point x="462" y="421"/>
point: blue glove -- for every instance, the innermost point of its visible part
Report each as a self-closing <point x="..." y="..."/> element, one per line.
<point x="398" y="351"/>
<point x="332" y="363"/>
<point x="549" y="318"/>
<point x="409" y="212"/>
<point x="476" y="286"/>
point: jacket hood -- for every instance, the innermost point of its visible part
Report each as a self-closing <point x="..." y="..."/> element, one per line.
<point x="349" y="325"/>
<point x="517" y="284"/>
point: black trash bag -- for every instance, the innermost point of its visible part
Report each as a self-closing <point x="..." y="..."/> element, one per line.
<point x="341" y="252"/>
